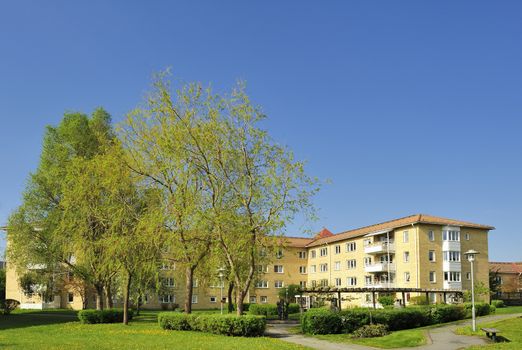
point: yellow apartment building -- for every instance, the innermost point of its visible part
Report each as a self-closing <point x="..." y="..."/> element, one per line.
<point x="417" y="251"/>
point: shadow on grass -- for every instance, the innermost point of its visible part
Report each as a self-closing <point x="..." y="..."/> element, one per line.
<point x="36" y="318"/>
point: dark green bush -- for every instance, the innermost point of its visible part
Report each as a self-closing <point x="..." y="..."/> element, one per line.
<point x="447" y="313"/>
<point x="321" y="321"/>
<point x="102" y="316"/>
<point x="386" y="300"/>
<point x="403" y="318"/>
<point x="481" y="309"/>
<point x="8" y="305"/>
<point x="263" y="309"/>
<point x="355" y="318"/>
<point x="293" y="308"/>
<point x="371" y="331"/>
<point x="232" y="325"/>
<point x="498" y="303"/>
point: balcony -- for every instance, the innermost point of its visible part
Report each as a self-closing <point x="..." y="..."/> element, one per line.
<point x="381" y="285"/>
<point x="452" y="285"/>
<point x="381" y="247"/>
<point x="380" y="267"/>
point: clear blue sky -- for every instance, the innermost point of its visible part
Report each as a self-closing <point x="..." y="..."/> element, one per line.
<point x="407" y="106"/>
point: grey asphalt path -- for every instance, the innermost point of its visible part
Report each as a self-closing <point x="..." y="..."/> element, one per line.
<point x="439" y="338"/>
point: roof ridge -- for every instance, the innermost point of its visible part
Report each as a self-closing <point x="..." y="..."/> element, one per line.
<point x="380" y="223"/>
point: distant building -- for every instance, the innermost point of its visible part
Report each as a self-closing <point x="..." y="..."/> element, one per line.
<point x="508" y="275"/>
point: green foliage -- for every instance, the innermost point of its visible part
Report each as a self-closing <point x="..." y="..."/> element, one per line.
<point x="28" y="282"/>
<point x="289" y="292"/>
<point x="498" y="303"/>
<point x="386" y="300"/>
<point x="231" y="325"/>
<point x="102" y="316"/>
<point x="8" y="305"/>
<point x="446" y="313"/>
<point x="371" y="331"/>
<point x="481" y="309"/>
<point x="2" y="284"/>
<point x="402" y="318"/>
<point x="419" y="300"/>
<point x="293" y="308"/>
<point x="321" y="321"/>
<point x="263" y="309"/>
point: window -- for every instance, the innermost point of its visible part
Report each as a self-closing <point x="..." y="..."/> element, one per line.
<point x="278" y="268"/>
<point x="368" y="280"/>
<point x="313" y="269"/>
<point x="314" y="284"/>
<point x="312" y="254"/>
<point x="262" y="284"/>
<point x="262" y="268"/>
<point x="498" y="279"/>
<point x="70" y="297"/>
<point x="351" y="246"/>
<point x="168" y="298"/>
<point x="452" y="276"/>
<point x="466" y="235"/>
<point x="302" y="270"/>
<point x="302" y="284"/>
<point x="432" y="277"/>
<point x="337" y="249"/>
<point x="337" y="266"/>
<point x="367" y="242"/>
<point x="195" y="283"/>
<point x="431" y="255"/>
<point x="468" y="275"/>
<point x="323" y="252"/>
<point x="324" y="283"/>
<point x="451" y="236"/>
<point x="351" y="264"/>
<point x="168" y="266"/>
<point x="302" y="255"/>
<point x="406" y="256"/>
<point x="405" y="237"/>
<point x="263" y="299"/>
<point x="431" y="235"/>
<point x="323" y="267"/>
<point x="169" y="282"/>
<point x="453" y="255"/>
<point x="407" y="277"/>
<point x="338" y="282"/>
<point x="253" y="299"/>
<point x="194" y="299"/>
<point x="214" y="300"/>
<point x="279" y="253"/>
<point x="351" y="281"/>
<point x="278" y="284"/>
<point x="367" y="261"/>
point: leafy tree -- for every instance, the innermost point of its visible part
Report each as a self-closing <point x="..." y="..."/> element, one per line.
<point x="2" y="284"/>
<point x="289" y="293"/>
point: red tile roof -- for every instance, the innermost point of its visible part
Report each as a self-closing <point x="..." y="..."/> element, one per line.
<point x="506" y="267"/>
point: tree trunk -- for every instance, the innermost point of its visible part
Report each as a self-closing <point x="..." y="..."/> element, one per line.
<point x="99" y="296"/>
<point x="126" y="293"/>
<point x="230" y="298"/>
<point x="108" y="296"/>
<point x="188" y="289"/>
<point x="239" y="302"/>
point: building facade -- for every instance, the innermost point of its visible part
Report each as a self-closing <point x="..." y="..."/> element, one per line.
<point x="418" y="251"/>
<point x="508" y="275"/>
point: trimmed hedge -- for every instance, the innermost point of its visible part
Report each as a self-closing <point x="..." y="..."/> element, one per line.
<point x="323" y="321"/>
<point x="270" y="309"/>
<point x="91" y="316"/>
<point x="481" y="309"/>
<point x="232" y="325"/>
<point x="498" y="303"/>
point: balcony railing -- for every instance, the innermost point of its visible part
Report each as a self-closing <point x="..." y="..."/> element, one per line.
<point x="381" y="285"/>
<point x="380" y="267"/>
<point x="380" y="247"/>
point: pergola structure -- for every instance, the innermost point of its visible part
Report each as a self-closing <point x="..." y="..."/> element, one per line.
<point x="403" y="291"/>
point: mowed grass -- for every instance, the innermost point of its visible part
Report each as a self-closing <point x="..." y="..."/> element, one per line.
<point x="508" y="310"/>
<point x="61" y="330"/>
<point x="510" y="328"/>
<point x="399" y="339"/>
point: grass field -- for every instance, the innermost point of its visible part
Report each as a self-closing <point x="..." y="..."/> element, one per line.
<point x="510" y="329"/>
<point x="60" y="330"/>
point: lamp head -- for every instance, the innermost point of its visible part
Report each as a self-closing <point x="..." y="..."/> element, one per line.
<point x="470" y="254"/>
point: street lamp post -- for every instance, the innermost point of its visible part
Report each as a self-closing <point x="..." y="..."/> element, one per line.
<point x="471" y="254"/>
<point x="221" y="275"/>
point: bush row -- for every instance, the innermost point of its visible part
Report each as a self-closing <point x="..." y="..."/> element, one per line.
<point x="233" y="325"/>
<point x="498" y="303"/>
<point x="270" y="309"/>
<point x="102" y="316"/>
<point x="324" y="321"/>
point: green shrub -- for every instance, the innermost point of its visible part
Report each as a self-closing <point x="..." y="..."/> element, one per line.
<point x="419" y="300"/>
<point x="481" y="309"/>
<point x="293" y="308"/>
<point x="321" y="321"/>
<point x="371" y="331"/>
<point x="403" y="318"/>
<point x="498" y="303"/>
<point x="90" y="316"/>
<point x="386" y="300"/>
<point x="263" y="309"/>
<point x="8" y="305"/>
<point x="447" y="313"/>
<point x="232" y="325"/>
<point x="355" y="318"/>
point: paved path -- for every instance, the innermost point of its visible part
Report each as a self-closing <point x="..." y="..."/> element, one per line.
<point x="439" y="338"/>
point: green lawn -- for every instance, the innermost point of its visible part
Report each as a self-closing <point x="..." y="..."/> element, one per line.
<point x="399" y="339"/>
<point x="508" y="310"/>
<point x="511" y="329"/>
<point x="60" y="330"/>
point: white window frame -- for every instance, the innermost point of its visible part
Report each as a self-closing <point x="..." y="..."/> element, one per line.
<point x="302" y="270"/>
<point x="194" y="298"/>
<point x="431" y="235"/>
<point x="278" y="269"/>
<point x="279" y="284"/>
<point x="405" y="237"/>
<point x="323" y="251"/>
<point x="434" y="274"/>
<point x="431" y="256"/>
